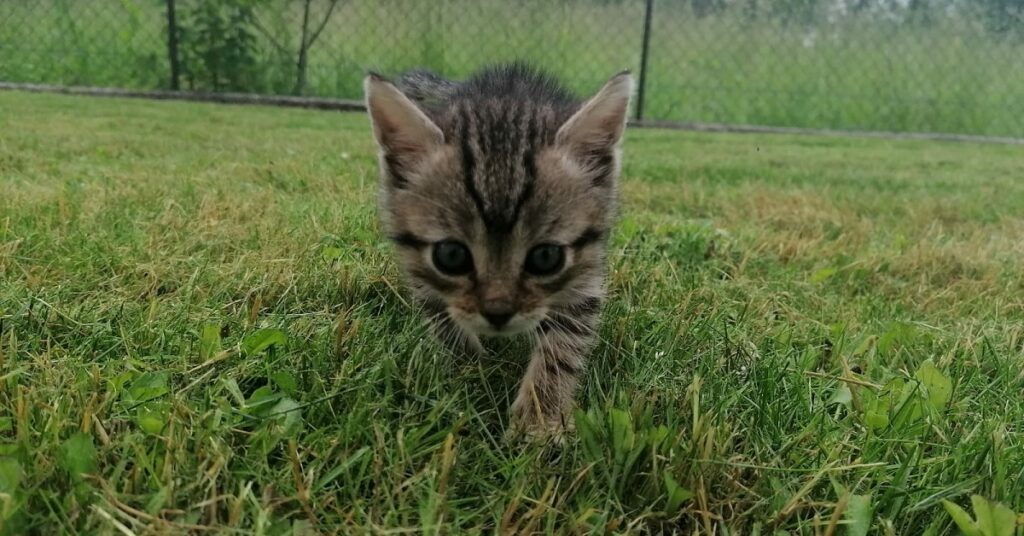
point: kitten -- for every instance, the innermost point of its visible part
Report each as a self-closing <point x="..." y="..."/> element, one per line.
<point x="499" y="193"/>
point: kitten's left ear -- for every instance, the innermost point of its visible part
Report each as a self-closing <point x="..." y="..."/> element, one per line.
<point x="596" y="129"/>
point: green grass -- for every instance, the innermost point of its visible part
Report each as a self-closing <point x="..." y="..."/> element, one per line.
<point x="200" y="326"/>
<point x="928" y="71"/>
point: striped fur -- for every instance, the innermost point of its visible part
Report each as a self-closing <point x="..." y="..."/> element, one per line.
<point x="501" y="163"/>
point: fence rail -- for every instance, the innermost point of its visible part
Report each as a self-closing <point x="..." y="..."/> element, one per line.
<point x="932" y="66"/>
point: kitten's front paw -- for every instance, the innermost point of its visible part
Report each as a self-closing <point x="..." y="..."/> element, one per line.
<point x="534" y="425"/>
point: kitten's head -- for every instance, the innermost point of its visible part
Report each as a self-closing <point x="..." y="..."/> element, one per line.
<point x="501" y="200"/>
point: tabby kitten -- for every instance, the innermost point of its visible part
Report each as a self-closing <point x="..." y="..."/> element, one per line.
<point x="499" y="193"/>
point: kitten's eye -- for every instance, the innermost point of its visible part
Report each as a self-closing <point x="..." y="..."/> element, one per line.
<point x="452" y="258"/>
<point x="545" y="259"/>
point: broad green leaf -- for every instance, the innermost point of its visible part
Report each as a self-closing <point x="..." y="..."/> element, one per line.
<point x="10" y="475"/>
<point x="12" y="498"/>
<point x="282" y="421"/>
<point x="116" y="384"/>
<point x="876" y="410"/>
<point x="994" y="519"/>
<point x="865" y="345"/>
<point x="622" y="433"/>
<point x="286" y="381"/>
<point x="841" y="395"/>
<point x="658" y="435"/>
<point x="908" y="405"/>
<point x="587" y="432"/>
<point x="148" y="386"/>
<point x="858" y="514"/>
<point x="152" y="418"/>
<point x="231" y="386"/>
<point x="961" y="518"/>
<point x="331" y="253"/>
<point x="936" y="385"/>
<point x="898" y="333"/>
<point x="677" y="494"/>
<point x="263" y="339"/>
<point x="837" y="331"/>
<point x="823" y="274"/>
<point x="876" y="420"/>
<point x="640" y="447"/>
<point x="261" y="399"/>
<point x="78" y="455"/>
<point x="289" y="415"/>
<point x="209" y="342"/>
<point x="836" y="486"/>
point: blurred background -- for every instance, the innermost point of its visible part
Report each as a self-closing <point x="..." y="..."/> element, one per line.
<point x="934" y="66"/>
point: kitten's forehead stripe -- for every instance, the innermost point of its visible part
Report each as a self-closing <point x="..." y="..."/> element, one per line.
<point x="498" y="143"/>
<point x="499" y="121"/>
<point x="468" y="159"/>
<point x="529" y="154"/>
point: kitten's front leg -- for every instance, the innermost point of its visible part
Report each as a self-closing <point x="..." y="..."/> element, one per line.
<point x="545" y="399"/>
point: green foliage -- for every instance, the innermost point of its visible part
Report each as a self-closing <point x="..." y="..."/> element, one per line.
<point x="78" y="456"/>
<point x="262" y="340"/>
<point x="144" y="397"/>
<point x="11" y="495"/>
<point x="626" y="455"/>
<point x="209" y="342"/>
<point x="991" y="518"/>
<point x="271" y="416"/>
<point x="219" y="46"/>
<point x="906" y="405"/>
<point x="859" y="515"/>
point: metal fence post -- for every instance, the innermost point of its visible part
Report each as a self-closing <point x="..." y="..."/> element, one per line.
<point x="644" y="52"/>
<point x="172" y="45"/>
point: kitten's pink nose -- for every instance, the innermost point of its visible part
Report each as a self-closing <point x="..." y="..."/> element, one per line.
<point x="497" y="312"/>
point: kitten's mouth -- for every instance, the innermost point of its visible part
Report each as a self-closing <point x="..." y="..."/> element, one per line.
<point x="507" y="330"/>
<point x="476" y="324"/>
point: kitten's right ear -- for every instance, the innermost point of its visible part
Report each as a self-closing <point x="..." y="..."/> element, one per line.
<point x="403" y="131"/>
<point x="597" y="127"/>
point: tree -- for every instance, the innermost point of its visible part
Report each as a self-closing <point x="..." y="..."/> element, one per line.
<point x="219" y="46"/>
<point x="307" y="38"/>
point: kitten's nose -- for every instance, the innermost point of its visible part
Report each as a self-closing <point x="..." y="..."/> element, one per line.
<point x="497" y="311"/>
<point x="498" y="319"/>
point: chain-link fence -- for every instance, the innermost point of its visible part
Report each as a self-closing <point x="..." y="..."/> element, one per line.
<point x="953" y="66"/>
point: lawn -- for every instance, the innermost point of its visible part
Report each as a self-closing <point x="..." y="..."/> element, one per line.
<point x="201" y="328"/>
